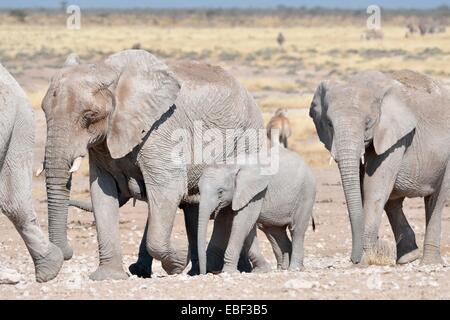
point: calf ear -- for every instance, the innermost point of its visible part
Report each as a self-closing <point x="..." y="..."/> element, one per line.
<point x="395" y="122"/>
<point x="249" y="183"/>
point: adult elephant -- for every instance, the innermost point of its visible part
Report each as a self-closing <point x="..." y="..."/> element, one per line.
<point x="399" y="124"/>
<point x="16" y="161"/>
<point x="124" y="111"/>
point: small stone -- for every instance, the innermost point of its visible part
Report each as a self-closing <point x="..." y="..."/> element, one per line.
<point x="9" y="276"/>
<point x="301" y="284"/>
<point x="45" y="289"/>
<point x="374" y="282"/>
<point x="143" y="287"/>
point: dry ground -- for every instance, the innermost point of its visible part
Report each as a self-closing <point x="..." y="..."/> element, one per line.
<point x="278" y="77"/>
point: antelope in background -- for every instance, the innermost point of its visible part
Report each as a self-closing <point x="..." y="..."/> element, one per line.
<point x="281" y="122"/>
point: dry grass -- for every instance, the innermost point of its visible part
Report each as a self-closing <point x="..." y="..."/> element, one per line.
<point x="381" y="255"/>
<point x="36" y="97"/>
<point x="277" y="76"/>
<point x="291" y="102"/>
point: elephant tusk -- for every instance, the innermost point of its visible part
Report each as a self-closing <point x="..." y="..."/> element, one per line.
<point x="331" y="160"/>
<point x="362" y="159"/>
<point x="76" y="164"/>
<point x="40" y="170"/>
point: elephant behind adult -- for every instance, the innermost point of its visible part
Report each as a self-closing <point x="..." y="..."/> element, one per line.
<point x="399" y="123"/>
<point x="124" y="111"/>
<point x="16" y="160"/>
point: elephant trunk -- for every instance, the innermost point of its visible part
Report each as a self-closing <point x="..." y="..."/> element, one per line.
<point x="58" y="182"/>
<point x="207" y="206"/>
<point x="348" y="157"/>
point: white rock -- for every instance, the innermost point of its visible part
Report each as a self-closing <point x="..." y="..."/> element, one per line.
<point x="9" y="276"/>
<point x="374" y="282"/>
<point x="301" y="283"/>
<point x="45" y="289"/>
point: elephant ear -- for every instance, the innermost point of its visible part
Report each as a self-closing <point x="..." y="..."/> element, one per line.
<point x="395" y="122"/>
<point x="249" y="183"/>
<point x="318" y="111"/>
<point x="145" y="89"/>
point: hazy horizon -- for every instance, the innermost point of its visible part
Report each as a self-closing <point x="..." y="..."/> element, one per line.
<point x="174" y="4"/>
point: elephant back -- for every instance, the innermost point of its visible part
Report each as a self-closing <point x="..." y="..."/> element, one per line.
<point x="213" y="98"/>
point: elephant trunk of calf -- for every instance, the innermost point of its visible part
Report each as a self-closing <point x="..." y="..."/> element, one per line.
<point x="58" y="181"/>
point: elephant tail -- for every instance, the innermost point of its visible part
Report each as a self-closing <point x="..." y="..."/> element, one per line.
<point x="86" y="206"/>
<point x="313" y="224"/>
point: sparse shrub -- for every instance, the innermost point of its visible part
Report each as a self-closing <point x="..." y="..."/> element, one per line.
<point x="20" y="15"/>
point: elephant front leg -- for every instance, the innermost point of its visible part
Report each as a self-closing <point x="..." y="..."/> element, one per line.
<point x="163" y="205"/>
<point x="105" y="203"/>
<point x="379" y="180"/>
<point x="242" y="224"/>
<point x="407" y="250"/>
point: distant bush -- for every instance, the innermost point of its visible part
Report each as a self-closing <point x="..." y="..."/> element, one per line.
<point x="20" y="15"/>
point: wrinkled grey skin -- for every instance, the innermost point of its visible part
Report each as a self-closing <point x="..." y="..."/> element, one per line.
<point x="400" y="122"/>
<point x="124" y="111"/>
<point x="16" y="160"/>
<point x="275" y="202"/>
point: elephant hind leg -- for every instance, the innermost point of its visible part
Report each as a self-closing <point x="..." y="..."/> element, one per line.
<point x="405" y="239"/>
<point x="298" y="230"/>
<point x="191" y="222"/>
<point x="281" y="245"/>
<point x="143" y="266"/>
<point x="17" y="204"/>
<point x="434" y="205"/>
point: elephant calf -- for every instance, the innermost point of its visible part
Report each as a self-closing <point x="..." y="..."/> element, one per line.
<point x="16" y="159"/>
<point x="274" y="202"/>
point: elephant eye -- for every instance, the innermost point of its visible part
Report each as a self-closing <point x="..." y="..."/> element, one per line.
<point x="369" y="122"/>
<point x="90" y="117"/>
<point x="330" y="124"/>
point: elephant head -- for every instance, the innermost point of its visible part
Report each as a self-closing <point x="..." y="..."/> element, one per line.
<point x="113" y="103"/>
<point x="370" y="111"/>
<point x="221" y="186"/>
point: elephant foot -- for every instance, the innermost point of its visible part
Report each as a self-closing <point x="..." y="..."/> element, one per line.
<point x="66" y="250"/>
<point x="48" y="266"/>
<point x="175" y="263"/>
<point x="140" y="270"/>
<point x="434" y="259"/>
<point x="262" y="269"/>
<point x="195" y="269"/>
<point x="230" y="269"/>
<point x="244" y="265"/>
<point x="108" y="273"/>
<point x="409" y="257"/>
